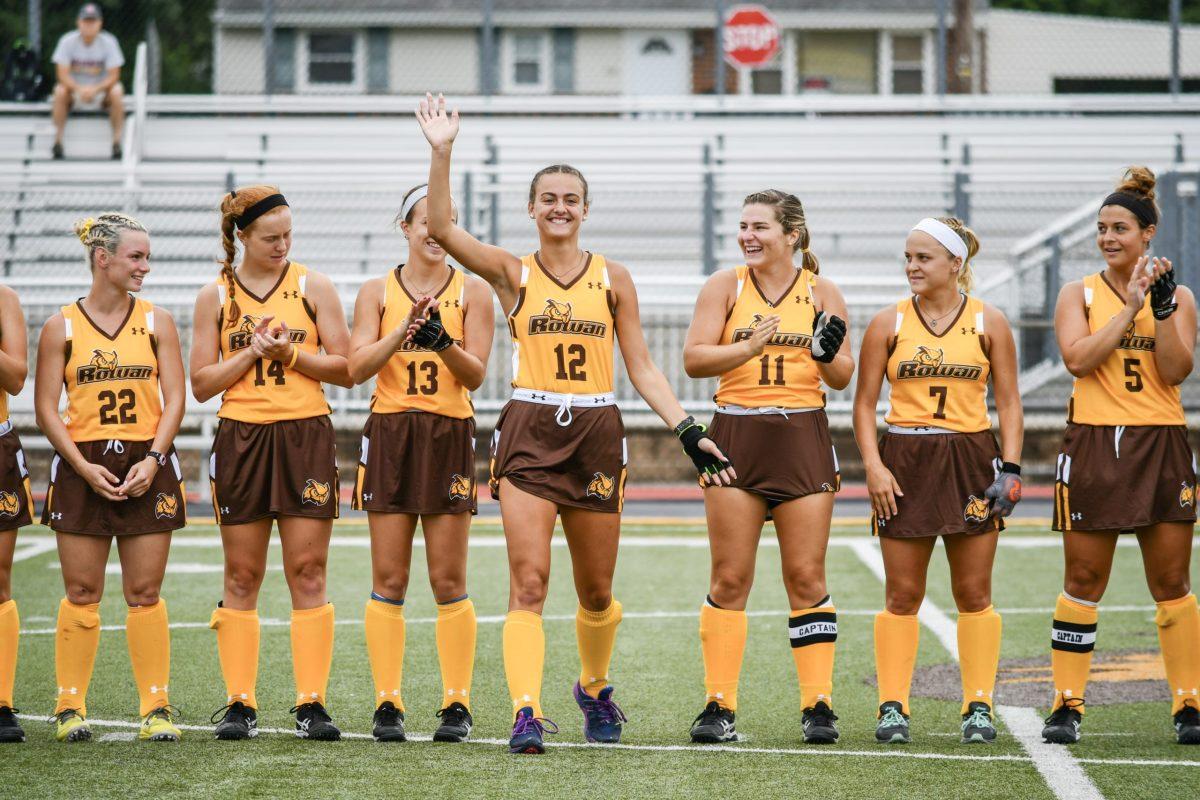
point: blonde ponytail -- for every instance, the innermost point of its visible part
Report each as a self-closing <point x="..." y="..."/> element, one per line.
<point x="966" y="275"/>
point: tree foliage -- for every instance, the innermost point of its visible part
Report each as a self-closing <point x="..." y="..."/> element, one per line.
<point x="1127" y="9"/>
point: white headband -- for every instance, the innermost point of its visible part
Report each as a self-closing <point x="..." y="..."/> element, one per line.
<point x="947" y="236"/>
<point x="417" y="196"/>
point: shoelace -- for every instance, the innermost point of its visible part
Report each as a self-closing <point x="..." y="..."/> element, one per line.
<point x="710" y="714"/>
<point x="1189" y="715"/>
<point x="1060" y="714"/>
<point x="220" y="713"/>
<point x="388" y="716"/>
<point x="63" y="716"/>
<point x="539" y="724"/>
<point x="316" y="709"/>
<point x="167" y="712"/>
<point x="822" y="715"/>
<point x="892" y="717"/>
<point x="452" y="715"/>
<point x="978" y="719"/>
<point x="605" y="711"/>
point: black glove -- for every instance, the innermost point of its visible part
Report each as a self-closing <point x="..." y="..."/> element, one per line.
<point x="1162" y="295"/>
<point x="690" y="434"/>
<point x="1005" y="491"/>
<point x="432" y="335"/>
<point x="827" y="337"/>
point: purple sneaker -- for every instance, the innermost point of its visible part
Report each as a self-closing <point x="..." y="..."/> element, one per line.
<point x="602" y="717"/>
<point x="528" y="731"/>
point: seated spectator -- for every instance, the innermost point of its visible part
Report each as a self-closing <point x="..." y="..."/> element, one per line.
<point x="88" y="64"/>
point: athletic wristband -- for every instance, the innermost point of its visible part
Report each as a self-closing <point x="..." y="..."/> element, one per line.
<point x="1008" y="466"/>
<point x="686" y="423"/>
<point x="159" y="457"/>
<point x="295" y="356"/>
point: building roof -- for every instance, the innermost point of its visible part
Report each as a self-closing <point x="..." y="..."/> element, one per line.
<point x="699" y="6"/>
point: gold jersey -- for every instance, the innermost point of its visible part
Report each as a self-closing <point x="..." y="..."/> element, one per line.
<point x="784" y="374"/>
<point x="112" y="381"/>
<point x="562" y="334"/>
<point x="416" y="379"/>
<point x="269" y="391"/>
<point x="939" y="379"/>
<point x="1126" y="388"/>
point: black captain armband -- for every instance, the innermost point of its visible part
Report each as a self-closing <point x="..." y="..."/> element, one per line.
<point x="432" y="334"/>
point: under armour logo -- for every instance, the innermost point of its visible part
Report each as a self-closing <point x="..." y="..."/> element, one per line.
<point x="72" y="690"/>
<point x="971" y="331"/>
<point x="55" y="515"/>
<point x="158" y="689"/>
<point x="368" y="495"/>
<point x="1076" y="516"/>
<point x="224" y="509"/>
<point x="138" y="331"/>
<point x="291" y="295"/>
<point x="229" y="698"/>
<point x="449" y="303"/>
<point x="800" y="299"/>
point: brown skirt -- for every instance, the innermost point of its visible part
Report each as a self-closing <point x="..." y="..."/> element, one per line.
<point x="16" y="501"/>
<point x="581" y="465"/>
<point x="286" y="468"/>
<point x="73" y="507"/>
<point x="777" y="457"/>
<point x="1124" y="478"/>
<point x="943" y="477"/>
<point x="416" y="462"/>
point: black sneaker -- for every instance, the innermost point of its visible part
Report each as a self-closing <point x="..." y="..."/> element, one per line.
<point x="892" y="727"/>
<point x="238" y="721"/>
<point x="388" y="724"/>
<point x="314" y="722"/>
<point x="818" y="724"/>
<point x="116" y="151"/>
<point x="1187" y="725"/>
<point x="10" y="729"/>
<point x="977" y="724"/>
<point x="456" y="724"/>
<point x="1062" y="726"/>
<point x="56" y="151"/>
<point x="714" y="725"/>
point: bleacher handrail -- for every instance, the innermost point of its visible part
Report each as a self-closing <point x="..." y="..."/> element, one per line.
<point x="135" y="128"/>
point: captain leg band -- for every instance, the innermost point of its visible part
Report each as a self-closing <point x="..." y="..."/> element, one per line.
<point x="813" y="635"/>
<point x="1072" y="640"/>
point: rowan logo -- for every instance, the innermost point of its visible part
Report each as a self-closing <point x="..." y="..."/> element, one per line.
<point x="165" y="506"/>
<point x="9" y="504"/>
<point x="779" y="338"/>
<point x="460" y="487"/>
<point x="556" y="318"/>
<point x="601" y="486"/>
<point x="827" y="487"/>
<point x="315" y="493"/>
<point x="976" y="510"/>
<point x="929" y="362"/>
<point x="1187" y="496"/>
<point x="103" y="366"/>
<point x="240" y="339"/>
<point x="1131" y="341"/>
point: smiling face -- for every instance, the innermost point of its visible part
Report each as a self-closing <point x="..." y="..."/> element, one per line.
<point x="762" y="238"/>
<point x="928" y="265"/>
<point x="416" y="230"/>
<point x="559" y="206"/>
<point x="1121" y="239"/>
<point x="268" y="240"/>
<point x="128" y="266"/>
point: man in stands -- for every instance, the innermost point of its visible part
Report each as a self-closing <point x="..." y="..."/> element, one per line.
<point x="88" y="62"/>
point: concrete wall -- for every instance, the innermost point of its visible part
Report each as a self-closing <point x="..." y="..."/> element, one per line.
<point x="433" y="59"/>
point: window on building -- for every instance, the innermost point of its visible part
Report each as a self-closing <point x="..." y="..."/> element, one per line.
<point x="528" y="57"/>
<point x="908" y="64"/>
<point x="839" y="62"/>
<point x="331" y="58"/>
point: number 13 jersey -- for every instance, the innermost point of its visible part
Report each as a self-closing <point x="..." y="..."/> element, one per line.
<point x="939" y="379"/>
<point x="562" y="334"/>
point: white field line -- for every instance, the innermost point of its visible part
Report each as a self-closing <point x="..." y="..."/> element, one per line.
<point x="1055" y="763"/>
<point x="681" y="748"/>
<point x="496" y="619"/>
<point x="31" y="546"/>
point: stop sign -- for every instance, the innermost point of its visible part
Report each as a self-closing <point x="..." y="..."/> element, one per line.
<point x="751" y="36"/>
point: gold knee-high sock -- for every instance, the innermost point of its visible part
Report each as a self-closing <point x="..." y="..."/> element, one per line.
<point x="10" y="632"/>
<point x="813" y="634"/>
<point x="722" y="644"/>
<point x="897" y="638"/>
<point x="312" y="652"/>
<point x="149" y="639"/>
<point x="1179" y="636"/>
<point x="237" y="648"/>
<point x="596" y="632"/>
<point x="385" y="649"/>
<point x="455" y="635"/>
<point x="524" y="657"/>
<point x="1072" y="640"/>
<point x="75" y="643"/>
<point x="978" y="654"/>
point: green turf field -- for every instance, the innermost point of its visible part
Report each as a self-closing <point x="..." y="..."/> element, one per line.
<point x="1128" y="749"/>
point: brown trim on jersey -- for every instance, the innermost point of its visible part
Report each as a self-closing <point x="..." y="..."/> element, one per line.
<point x="270" y="291"/>
<point x="309" y="309"/>
<point x="1111" y="287"/>
<point x="435" y="295"/>
<point x="517" y="306"/>
<point x="612" y="303"/>
<point x="154" y="344"/>
<point x="783" y="296"/>
<point x="949" y="325"/>
<point x="983" y="348"/>
<point x="586" y="266"/>
<point x="113" y="336"/>
<point x="67" y="350"/>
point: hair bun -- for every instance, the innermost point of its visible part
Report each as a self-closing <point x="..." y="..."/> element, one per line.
<point x="1138" y="181"/>
<point x="83" y="227"/>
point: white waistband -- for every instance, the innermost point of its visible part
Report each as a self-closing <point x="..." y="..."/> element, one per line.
<point x="924" y="430"/>
<point x="565" y="402"/>
<point x="5" y="427"/>
<point x="742" y="411"/>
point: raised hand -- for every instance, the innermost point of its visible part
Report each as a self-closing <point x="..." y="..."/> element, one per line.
<point x="416" y="317"/>
<point x="828" y="335"/>
<point x="440" y="128"/>
<point x="431" y="333"/>
<point x="274" y="345"/>
<point x="762" y="334"/>
<point x="1162" y="290"/>
<point x="1139" y="284"/>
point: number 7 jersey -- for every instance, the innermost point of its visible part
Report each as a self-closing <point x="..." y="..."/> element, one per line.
<point x="112" y="381"/>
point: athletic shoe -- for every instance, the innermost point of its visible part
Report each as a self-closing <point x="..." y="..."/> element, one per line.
<point x="602" y="717"/>
<point x="893" y="724"/>
<point x="10" y="729"/>
<point x="238" y="721"/>
<point x="456" y="724"/>
<point x="1187" y="725"/>
<point x="977" y="725"/>
<point x="116" y="151"/>
<point x="818" y="724"/>
<point x="1062" y="726"/>
<point x="159" y="725"/>
<point x="71" y="727"/>
<point x="388" y="724"/>
<point x="714" y="725"/>
<point x="57" y="151"/>
<point x="314" y="722"/>
<point x="528" y="732"/>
